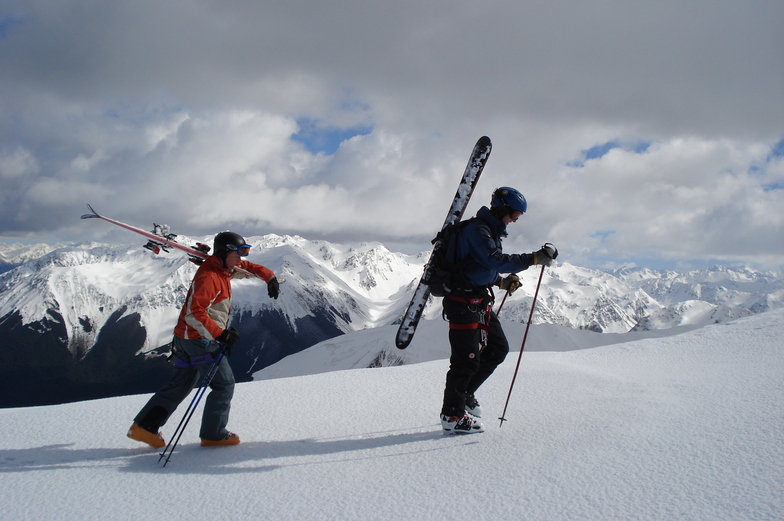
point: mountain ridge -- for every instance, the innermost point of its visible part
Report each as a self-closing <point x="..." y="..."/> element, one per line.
<point x="57" y="307"/>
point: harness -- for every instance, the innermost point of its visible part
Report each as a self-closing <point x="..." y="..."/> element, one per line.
<point x="193" y="361"/>
<point x="484" y="324"/>
<point x="465" y="300"/>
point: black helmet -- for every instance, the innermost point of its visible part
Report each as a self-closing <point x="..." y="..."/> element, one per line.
<point x="229" y="241"/>
<point x="509" y="199"/>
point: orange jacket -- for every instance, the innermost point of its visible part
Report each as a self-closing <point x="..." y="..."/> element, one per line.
<point x="207" y="306"/>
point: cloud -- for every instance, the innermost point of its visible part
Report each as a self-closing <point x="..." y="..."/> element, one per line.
<point x="17" y="163"/>
<point x="676" y="199"/>
<point x="635" y="130"/>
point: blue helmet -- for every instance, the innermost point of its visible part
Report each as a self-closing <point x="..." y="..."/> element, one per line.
<point x="510" y="199"/>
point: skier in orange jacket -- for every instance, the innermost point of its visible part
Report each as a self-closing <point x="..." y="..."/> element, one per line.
<point x="203" y="323"/>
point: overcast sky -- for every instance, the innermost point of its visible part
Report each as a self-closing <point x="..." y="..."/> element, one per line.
<point x="646" y="132"/>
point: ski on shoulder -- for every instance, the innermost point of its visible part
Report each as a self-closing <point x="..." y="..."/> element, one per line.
<point x="161" y="239"/>
<point x="465" y="189"/>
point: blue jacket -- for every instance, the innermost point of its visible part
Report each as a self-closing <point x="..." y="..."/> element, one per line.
<point x="479" y="243"/>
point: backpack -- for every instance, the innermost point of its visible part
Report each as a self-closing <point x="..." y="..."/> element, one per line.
<point x="444" y="273"/>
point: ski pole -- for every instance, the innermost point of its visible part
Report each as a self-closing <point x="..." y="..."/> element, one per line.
<point x="208" y="376"/>
<point x="502" y="303"/>
<point x="525" y="336"/>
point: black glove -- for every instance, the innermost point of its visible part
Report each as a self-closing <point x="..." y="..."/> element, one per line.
<point x="273" y="288"/>
<point x="228" y="338"/>
<point x="510" y="283"/>
<point x="546" y="255"/>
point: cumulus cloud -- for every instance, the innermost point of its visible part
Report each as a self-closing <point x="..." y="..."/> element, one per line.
<point x="677" y="199"/>
<point x="17" y="163"/>
<point x="637" y="131"/>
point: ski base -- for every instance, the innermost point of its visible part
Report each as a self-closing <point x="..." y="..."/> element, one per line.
<point x="465" y="189"/>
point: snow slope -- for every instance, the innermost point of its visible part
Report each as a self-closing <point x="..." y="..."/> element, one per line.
<point x="376" y="347"/>
<point x="680" y="427"/>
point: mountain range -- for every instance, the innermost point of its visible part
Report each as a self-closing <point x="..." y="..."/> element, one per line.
<point x="91" y="320"/>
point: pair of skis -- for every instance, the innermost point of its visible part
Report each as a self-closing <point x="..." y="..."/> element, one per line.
<point x="160" y="239"/>
<point x="465" y="189"/>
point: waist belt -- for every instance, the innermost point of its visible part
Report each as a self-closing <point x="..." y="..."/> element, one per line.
<point x="194" y="360"/>
<point x="475" y="325"/>
<point x="466" y="300"/>
<point x="471" y="301"/>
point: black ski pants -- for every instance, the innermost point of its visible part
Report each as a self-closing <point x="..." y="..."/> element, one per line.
<point x="471" y="362"/>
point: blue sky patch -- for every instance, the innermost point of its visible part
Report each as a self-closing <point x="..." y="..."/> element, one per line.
<point x="603" y="235"/>
<point x="325" y="139"/>
<point x="778" y="149"/>
<point x="599" y="151"/>
<point x="8" y="23"/>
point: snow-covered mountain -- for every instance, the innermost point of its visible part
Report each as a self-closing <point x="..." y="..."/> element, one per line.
<point x="79" y="323"/>
<point x="643" y="299"/>
<point x="12" y="255"/>
<point x="94" y="320"/>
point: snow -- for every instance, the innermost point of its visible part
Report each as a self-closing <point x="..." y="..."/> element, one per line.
<point x="376" y="347"/>
<point x="679" y="427"/>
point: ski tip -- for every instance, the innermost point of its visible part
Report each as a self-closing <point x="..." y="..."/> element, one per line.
<point x="405" y="333"/>
<point x="402" y="343"/>
<point x="90" y="215"/>
<point x="484" y="141"/>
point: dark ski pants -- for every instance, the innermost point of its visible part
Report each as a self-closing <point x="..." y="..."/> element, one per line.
<point x="217" y="404"/>
<point x="470" y="363"/>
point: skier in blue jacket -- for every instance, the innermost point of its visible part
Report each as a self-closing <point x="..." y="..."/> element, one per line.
<point x="476" y="337"/>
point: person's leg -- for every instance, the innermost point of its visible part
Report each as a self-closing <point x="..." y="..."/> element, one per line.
<point x="491" y="356"/>
<point x="218" y="404"/>
<point x="164" y="402"/>
<point x="465" y="342"/>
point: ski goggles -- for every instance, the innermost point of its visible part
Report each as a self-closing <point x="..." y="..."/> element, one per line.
<point x="243" y="250"/>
